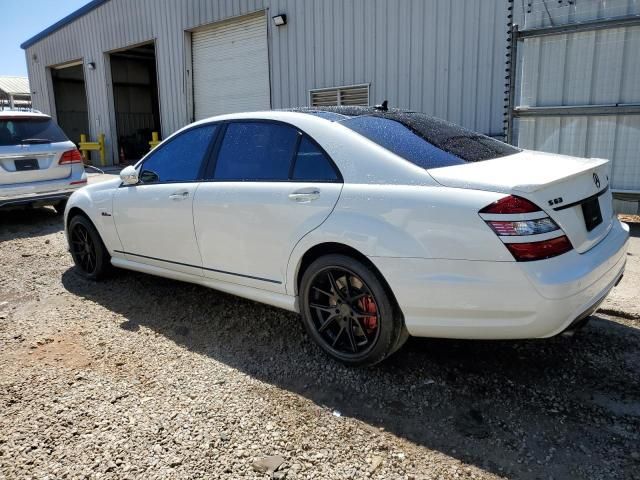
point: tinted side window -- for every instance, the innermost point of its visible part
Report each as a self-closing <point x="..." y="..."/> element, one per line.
<point x="399" y="139"/>
<point x="180" y="159"/>
<point x="312" y="164"/>
<point x="256" y="151"/>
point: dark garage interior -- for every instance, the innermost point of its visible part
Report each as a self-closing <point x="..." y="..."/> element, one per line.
<point x="135" y="96"/>
<point x="71" y="100"/>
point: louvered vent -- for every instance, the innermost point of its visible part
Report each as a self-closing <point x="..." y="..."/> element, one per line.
<point x="353" y="95"/>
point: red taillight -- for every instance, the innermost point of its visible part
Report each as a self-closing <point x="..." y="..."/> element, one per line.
<point x="511" y="204"/>
<point x="70" y="156"/>
<point x="526" y="252"/>
<point x="506" y="220"/>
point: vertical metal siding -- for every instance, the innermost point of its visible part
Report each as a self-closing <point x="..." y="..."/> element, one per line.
<point x="445" y="57"/>
<point x="582" y="68"/>
<point x="439" y="56"/>
<point x="545" y="13"/>
<point x="118" y="24"/>
<point x="614" y="137"/>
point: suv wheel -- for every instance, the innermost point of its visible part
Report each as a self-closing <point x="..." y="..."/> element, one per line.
<point x="60" y="206"/>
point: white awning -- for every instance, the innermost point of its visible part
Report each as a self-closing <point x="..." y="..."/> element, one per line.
<point x="15" y="85"/>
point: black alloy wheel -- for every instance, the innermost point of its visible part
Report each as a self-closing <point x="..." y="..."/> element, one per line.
<point x="348" y="312"/>
<point x="344" y="311"/>
<point x="83" y="249"/>
<point x="89" y="253"/>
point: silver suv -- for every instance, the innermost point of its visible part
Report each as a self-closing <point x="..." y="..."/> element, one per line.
<point x="39" y="165"/>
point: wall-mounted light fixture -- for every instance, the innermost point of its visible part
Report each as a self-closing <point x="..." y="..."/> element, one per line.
<point x="91" y="65"/>
<point x="280" y="20"/>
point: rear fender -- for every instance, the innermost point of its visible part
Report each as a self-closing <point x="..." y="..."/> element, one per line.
<point x="406" y="222"/>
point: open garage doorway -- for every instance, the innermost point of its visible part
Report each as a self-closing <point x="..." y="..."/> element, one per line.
<point x="135" y="96"/>
<point x="70" y="98"/>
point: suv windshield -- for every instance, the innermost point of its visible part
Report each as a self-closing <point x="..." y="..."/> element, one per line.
<point x="18" y="130"/>
<point x="427" y="141"/>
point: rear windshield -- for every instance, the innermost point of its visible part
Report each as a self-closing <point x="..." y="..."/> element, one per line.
<point x="427" y="141"/>
<point x="14" y="131"/>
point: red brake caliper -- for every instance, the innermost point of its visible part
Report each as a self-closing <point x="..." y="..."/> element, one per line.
<point x="366" y="304"/>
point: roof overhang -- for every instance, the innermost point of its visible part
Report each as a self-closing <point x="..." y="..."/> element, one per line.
<point x="15" y="85"/>
<point x="62" y="23"/>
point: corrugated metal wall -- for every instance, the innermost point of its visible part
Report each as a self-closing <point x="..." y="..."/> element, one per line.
<point x="546" y="13"/>
<point x="599" y="67"/>
<point x="118" y="24"/>
<point x="445" y="57"/>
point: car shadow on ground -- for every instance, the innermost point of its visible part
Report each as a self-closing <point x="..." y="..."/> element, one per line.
<point x="634" y="229"/>
<point x="556" y="408"/>
<point x="28" y="223"/>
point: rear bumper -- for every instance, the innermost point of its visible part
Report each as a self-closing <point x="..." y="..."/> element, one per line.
<point x="37" y="198"/>
<point x="504" y="300"/>
<point x="45" y="193"/>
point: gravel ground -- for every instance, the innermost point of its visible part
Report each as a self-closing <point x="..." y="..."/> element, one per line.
<point x="141" y="377"/>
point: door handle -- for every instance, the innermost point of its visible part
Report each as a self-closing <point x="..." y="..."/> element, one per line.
<point x="179" y="195"/>
<point x="305" y="195"/>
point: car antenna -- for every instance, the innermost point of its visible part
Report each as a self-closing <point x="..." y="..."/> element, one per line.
<point x="384" y="107"/>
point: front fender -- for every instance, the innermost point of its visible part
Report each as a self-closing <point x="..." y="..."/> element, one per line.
<point x="96" y="202"/>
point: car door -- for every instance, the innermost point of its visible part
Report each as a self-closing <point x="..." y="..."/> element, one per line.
<point x="154" y="218"/>
<point x="267" y="187"/>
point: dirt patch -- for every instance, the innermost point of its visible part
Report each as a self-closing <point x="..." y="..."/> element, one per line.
<point x="66" y="350"/>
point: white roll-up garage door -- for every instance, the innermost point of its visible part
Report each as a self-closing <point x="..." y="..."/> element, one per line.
<point x="231" y="67"/>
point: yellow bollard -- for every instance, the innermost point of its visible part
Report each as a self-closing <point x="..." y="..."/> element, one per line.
<point x="85" y="156"/>
<point x="102" y="149"/>
<point x="91" y="146"/>
<point x="155" y="140"/>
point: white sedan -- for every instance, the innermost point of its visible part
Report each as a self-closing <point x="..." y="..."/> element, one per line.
<point x="374" y="225"/>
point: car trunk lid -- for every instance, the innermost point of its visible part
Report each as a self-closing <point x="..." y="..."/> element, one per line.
<point x="573" y="191"/>
<point x="32" y="163"/>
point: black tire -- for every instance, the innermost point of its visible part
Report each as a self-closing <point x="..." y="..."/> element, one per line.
<point x="360" y="325"/>
<point x="402" y="339"/>
<point x="87" y="249"/>
<point x="60" y="206"/>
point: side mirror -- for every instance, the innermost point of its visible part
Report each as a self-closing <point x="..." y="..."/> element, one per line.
<point x="129" y="175"/>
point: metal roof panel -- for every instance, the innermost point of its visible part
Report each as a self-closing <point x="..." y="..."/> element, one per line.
<point x="15" y="85"/>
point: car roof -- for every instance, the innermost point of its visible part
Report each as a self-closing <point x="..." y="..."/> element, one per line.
<point x="350" y="111"/>
<point x="22" y="114"/>
<point x="415" y="121"/>
<point x="329" y="113"/>
<point x="409" y="118"/>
